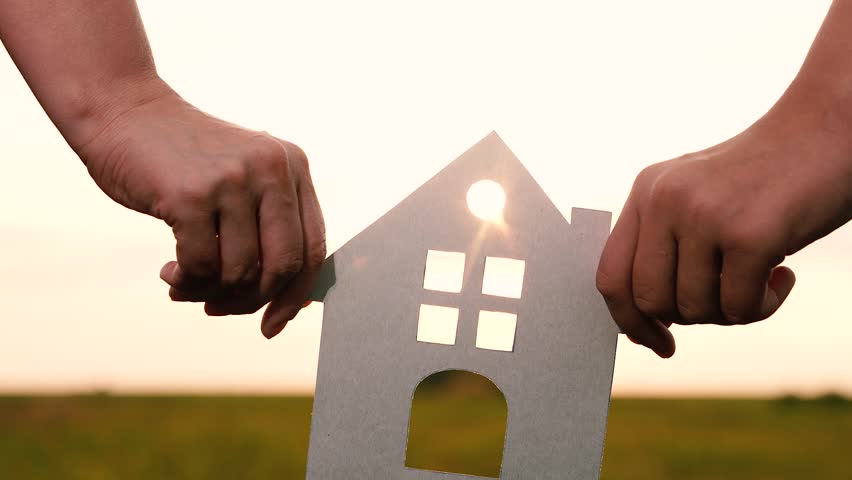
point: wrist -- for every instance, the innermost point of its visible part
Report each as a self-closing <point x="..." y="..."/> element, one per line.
<point x="810" y="138"/>
<point x="90" y="111"/>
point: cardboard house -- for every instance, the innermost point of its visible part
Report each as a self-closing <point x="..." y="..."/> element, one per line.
<point x="420" y="291"/>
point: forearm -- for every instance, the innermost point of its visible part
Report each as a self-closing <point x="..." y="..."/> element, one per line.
<point x="816" y="109"/>
<point x="86" y="61"/>
<point x="822" y="91"/>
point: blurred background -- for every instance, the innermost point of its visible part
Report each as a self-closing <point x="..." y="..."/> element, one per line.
<point x="103" y="377"/>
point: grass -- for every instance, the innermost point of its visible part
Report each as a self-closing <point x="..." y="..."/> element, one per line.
<point x="730" y="439"/>
<point x="103" y="437"/>
<point x="106" y="437"/>
<point x="457" y="424"/>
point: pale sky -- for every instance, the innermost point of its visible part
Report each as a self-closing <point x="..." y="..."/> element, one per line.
<point x="382" y="95"/>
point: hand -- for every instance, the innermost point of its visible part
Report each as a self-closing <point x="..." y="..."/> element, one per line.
<point x="701" y="238"/>
<point x="241" y="204"/>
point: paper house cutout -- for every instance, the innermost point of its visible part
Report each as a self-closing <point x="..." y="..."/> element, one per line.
<point x="552" y="356"/>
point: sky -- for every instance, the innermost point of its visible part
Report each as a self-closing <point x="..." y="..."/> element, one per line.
<point x="382" y="95"/>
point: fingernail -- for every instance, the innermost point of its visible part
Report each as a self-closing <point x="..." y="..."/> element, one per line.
<point x="770" y="303"/>
<point x="166" y="271"/>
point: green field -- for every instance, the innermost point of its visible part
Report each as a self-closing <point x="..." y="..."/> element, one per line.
<point x="111" y="437"/>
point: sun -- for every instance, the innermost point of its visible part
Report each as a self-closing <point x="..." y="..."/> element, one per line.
<point x="486" y="200"/>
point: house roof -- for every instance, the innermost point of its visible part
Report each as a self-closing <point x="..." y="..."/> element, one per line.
<point x="440" y="202"/>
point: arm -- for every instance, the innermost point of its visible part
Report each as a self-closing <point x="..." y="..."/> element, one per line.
<point x="86" y="61"/>
<point x="701" y="237"/>
<point x="246" y="220"/>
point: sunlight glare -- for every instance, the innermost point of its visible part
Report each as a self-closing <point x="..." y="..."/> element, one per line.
<point x="486" y="200"/>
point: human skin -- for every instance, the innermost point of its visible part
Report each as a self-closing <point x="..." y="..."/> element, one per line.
<point x="248" y="228"/>
<point x="701" y="238"/>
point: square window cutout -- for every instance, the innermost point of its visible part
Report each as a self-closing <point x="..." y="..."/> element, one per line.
<point x="504" y="277"/>
<point x="496" y="331"/>
<point x="444" y="271"/>
<point x="437" y="324"/>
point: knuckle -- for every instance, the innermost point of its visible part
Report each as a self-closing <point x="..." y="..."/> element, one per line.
<point x="194" y="192"/>
<point x="295" y="155"/>
<point x="268" y="154"/>
<point x="201" y="269"/>
<point x="239" y="274"/>
<point x="285" y="266"/>
<point x="733" y="314"/>
<point x="648" y="175"/>
<point x="650" y="304"/>
<point x="702" y="208"/>
<point x="315" y="255"/>
<point x="196" y="267"/>
<point x="730" y="318"/>
<point x="607" y="285"/>
<point x="198" y="273"/>
<point x="691" y="313"/>
<point x="667" y="192"/>
<point x="739" y="237"/>
<point x="234" y="176"/>
<point x="747" y="236"/>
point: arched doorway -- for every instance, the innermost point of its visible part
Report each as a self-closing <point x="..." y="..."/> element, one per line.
<point x="457" y="424"/>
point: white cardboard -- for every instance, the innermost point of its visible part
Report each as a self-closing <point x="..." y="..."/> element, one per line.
<point x="557" y="378"/>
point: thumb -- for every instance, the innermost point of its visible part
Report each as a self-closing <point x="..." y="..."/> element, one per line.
<point x="780" y="283"/>
<point x="169" y="272"/>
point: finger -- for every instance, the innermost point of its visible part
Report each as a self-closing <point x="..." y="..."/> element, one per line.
<point x="237" y="301"/>
<point x="238" y="241"/>
<point x="285" y="307"/>
<point x="615" y="282"/>
<point x="699" y="266"/>
<point x="282" y="249"/>
<point x="240" y="252"/>
<point x="744" y="286"/>
<point x="184" y="296"/>
<point x="171" y="270"/>
<point x="197" y="251"/>
<point x="281" y="254"/>
<point x="654" y="269"/>
<point x="167" y="274"/>
<point x="781" y="283"/>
